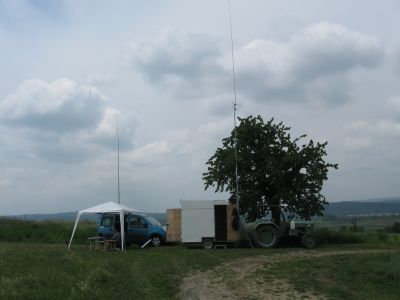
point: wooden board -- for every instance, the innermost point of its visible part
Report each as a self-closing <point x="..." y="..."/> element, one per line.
<point x="233" y="235"/>
<point x="174" y="224"/>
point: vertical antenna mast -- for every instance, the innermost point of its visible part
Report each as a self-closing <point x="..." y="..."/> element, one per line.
<point x="234" y="124"/>
<point x="234" y="106"/>
<point x="119" y="199"/>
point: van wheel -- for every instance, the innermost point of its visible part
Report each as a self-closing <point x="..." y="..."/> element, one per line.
<point x="156" y="241"/>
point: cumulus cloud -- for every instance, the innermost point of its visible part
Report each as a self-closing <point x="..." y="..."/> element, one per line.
<point x="312" y="65"/>
<point x="105" y="134"/>
<point x="59" y="106"/>
<point x="187" y="63"/>
<point x="63" y="121"/>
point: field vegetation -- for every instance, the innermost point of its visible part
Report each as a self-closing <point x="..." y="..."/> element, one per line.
<point x="362" y="276"/>
<point x="49" y="232"/>
<point x="36" y="265"/>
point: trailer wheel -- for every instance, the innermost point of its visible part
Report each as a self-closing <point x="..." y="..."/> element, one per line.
<point x="308" y="241"/>
<point x="266" y="236"/>
<point x="208" y="243"/>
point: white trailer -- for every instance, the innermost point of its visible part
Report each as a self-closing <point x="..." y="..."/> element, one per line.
<point x="206" y="222"/>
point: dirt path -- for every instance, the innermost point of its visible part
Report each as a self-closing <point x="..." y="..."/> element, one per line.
<point x="234" y="280"/>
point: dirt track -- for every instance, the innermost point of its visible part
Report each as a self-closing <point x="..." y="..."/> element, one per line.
<point x="233" y="280"/>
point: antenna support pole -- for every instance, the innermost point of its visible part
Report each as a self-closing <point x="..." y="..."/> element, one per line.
<point x="119" y="197"/>
<point x="234" y="106"/>
<point x="234" y="123"/>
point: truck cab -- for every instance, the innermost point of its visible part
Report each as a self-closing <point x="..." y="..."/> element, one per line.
<point x="139" y="228"/>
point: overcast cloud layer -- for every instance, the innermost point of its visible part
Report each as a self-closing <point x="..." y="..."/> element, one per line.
<point x="70" y="69"/>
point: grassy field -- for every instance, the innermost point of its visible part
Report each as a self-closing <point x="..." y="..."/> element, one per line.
<point x="42" y="271"/>
<point x="363" y="276"/>
<point x="50" y="232"/>
<point x="35" y="265"/>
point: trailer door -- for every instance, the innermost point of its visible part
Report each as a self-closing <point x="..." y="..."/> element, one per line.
<point x="220" y="222"/>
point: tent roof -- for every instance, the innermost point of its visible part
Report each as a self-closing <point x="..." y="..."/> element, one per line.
<point x="107" y="208"/>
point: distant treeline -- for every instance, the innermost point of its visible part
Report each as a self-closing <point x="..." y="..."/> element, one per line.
<point x="381" y="207"/>
<point x="370" y="207"/>
<point x="71" y="216"/>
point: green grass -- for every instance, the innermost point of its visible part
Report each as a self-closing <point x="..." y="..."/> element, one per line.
<point x="43" y="271"/>
<point x="34" y="264"/>
<point x="365" y="276"/>
<point x="347" y="235"/>
<point x="52" y="232"/>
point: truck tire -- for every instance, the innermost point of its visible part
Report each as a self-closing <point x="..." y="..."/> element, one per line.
<point x="308" y="241"/>
<point x="266" y="236"/>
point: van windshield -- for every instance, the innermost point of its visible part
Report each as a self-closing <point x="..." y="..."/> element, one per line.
<point x="152" y="221"/>
<point x="107" y="221"/>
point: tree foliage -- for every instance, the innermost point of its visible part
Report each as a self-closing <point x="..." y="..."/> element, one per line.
<point x="275" y="171"/>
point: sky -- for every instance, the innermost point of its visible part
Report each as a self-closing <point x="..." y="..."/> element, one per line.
<point x="70" y="69"/>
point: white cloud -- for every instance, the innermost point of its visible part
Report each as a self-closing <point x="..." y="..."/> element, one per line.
<point x="184" y="63"/>
<point x="149" y="152"/>
<point x="312" y="65"/>
<point x="58" y="148"/>
<point x="64" y="121"/>
<point x="59" y="106"/>
<point x="356" y="126"/>
<point x="357" y="143"/>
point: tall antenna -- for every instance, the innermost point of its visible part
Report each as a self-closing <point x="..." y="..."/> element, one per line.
<point x="234" y="106"/>
<point x="234" y="123"/>
<point x="119" y="198"/>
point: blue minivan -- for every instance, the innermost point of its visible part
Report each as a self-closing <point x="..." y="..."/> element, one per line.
<point x="139" y="228"/>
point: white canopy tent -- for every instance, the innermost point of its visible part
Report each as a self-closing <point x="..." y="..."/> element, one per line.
<point x="108" y="207"/>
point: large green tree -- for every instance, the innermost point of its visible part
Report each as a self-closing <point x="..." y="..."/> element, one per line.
<point x="275" y="171"/>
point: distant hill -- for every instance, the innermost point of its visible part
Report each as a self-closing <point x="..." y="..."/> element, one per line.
<point x="357" y="208"/>
<point x="368" y="207"/>
<point x="386" y="200"/>
<point x="71" y="216"/>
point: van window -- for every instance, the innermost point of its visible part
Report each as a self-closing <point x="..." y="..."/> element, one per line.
<point x="107" y="221"/>
<point x="135" y="221"/>
<point x="152" y="221"/>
